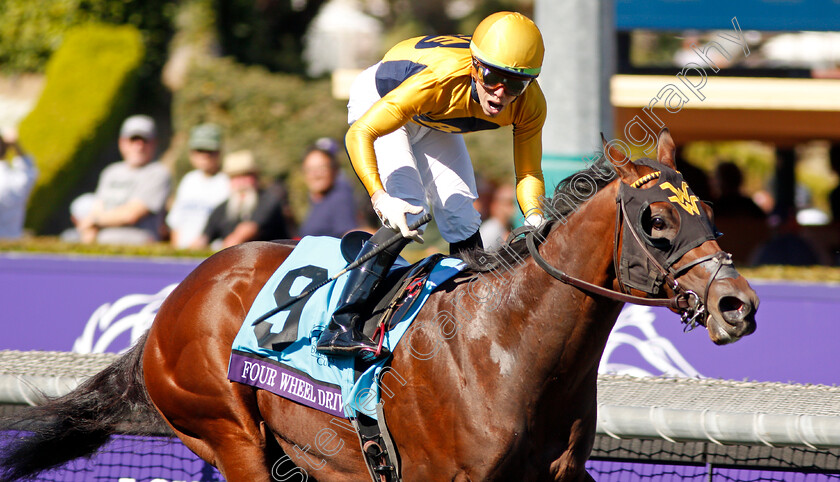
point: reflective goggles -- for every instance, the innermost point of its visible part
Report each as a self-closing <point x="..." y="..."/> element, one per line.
<point x="493" y="78"/>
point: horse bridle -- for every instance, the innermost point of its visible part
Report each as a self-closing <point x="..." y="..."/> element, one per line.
<point x="695" y="313"/>
<point x="686" y="302"/>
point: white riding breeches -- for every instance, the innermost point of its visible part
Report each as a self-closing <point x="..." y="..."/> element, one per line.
<point x="423" y="167"/>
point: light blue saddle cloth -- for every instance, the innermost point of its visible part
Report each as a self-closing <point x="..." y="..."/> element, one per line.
<point x="278" y="354"/>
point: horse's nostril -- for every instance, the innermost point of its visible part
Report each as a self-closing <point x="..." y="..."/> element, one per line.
<point x="733" y="308"/>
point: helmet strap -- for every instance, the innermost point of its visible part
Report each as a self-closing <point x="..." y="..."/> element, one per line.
<point x="473" y="71"/>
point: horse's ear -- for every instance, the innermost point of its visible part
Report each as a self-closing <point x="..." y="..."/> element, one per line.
<point x="666" y="149"/>
<point x="621" y="163"/>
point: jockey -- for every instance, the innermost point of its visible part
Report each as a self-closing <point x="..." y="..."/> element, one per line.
<point x="407" y="113"/>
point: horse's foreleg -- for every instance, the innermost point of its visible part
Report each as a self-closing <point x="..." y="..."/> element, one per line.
<point x="570" y="469"/>
<point x="570" y="466"/>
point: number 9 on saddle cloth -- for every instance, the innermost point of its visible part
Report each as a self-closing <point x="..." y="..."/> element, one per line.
<point x="277" y="353"/>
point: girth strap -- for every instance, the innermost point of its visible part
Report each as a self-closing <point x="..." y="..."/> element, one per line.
<point x="378" y="449"/>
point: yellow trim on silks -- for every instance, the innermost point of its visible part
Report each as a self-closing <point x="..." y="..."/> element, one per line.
<point x="642" y="180"/>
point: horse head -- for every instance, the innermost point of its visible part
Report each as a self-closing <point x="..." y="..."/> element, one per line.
<point x="668" y="246"/>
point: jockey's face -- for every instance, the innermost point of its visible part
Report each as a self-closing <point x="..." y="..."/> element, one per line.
<point x="493" y="100"/>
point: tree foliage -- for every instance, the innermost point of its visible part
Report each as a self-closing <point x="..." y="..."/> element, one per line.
<point x="265" y="32"/>
<point x="31" y="30"/>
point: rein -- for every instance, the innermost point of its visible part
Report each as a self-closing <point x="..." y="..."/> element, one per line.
<point x="680" y="302"/>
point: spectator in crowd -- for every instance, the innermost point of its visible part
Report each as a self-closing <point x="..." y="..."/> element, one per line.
<point x="764" y="200"/>
<point x="131" y="194"/>
<point x="743" y="224"/>
<point x="495" y="230"/>
<point x="201" y="189"/>
<point x="249" y="214"/>
<point x="730" y="201"/>
<point x="332" y="209"/>
<point x="17" y="177"/>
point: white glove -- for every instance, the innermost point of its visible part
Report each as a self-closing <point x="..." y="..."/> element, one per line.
<point x="534" y="220"/>
<point x="392" y="212"/>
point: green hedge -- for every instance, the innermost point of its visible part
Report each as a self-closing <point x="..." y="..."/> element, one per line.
<point x="275" y="115"/>
<point x="54" y="245"/>
<point x="90" y="86"/>
<point x="32" y="30"/>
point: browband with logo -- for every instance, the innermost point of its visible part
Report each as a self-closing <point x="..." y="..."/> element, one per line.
<point x="642" y="180"/>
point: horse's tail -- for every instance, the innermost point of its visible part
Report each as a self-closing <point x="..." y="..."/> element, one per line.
<point x="77" y="424"/>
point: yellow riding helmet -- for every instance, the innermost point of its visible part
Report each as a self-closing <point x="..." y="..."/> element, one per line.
<point x="509" y="41"/>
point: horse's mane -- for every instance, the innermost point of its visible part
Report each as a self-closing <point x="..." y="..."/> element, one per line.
<point x="569" y="195"/>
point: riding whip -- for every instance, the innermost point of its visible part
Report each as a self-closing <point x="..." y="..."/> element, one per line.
<point x="355" y="264"/>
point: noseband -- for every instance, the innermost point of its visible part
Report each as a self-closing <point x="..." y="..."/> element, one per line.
<point x="687" y="303"/>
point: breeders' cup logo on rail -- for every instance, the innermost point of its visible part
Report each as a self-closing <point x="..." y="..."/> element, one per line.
<point x="132" y="314"/>
<point x="634" y="328"/>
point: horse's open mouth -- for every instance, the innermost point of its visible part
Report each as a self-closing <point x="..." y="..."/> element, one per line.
<point x="733" y="309"/>
<point x="739" y="318"/>
<point x="738" y="313"/>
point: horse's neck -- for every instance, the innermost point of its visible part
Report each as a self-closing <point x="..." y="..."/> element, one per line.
<point x="559" y="330"/>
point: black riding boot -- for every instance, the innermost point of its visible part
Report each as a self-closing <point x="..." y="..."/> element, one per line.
<point x="343" y="337"/>
<point x="474" y="241"/>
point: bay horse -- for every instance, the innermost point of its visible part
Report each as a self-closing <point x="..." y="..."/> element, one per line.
<point x="498" y="374"/>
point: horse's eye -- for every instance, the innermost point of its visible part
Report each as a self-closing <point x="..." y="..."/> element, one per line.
<point x="657" y="223"/>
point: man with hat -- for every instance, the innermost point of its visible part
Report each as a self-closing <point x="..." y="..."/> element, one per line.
<point x="201" y="189"/>
<point x="250" y="213"/>
<point x="131" y="194"/>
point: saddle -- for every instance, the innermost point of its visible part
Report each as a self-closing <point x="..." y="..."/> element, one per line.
<point x="274" y="348"/>
<point x="395" y="295"/>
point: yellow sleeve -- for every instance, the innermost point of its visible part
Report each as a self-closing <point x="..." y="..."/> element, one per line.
<point x="527" y="151"/>
<point x="388" y="114"/>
